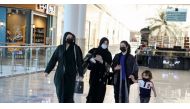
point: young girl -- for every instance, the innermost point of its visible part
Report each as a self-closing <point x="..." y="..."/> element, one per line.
<point x="145" y="85"/>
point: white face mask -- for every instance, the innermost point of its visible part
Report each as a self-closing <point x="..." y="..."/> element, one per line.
<point x="104" y="46"/>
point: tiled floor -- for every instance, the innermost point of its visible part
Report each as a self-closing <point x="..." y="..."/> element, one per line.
<point x="172" y="86"/>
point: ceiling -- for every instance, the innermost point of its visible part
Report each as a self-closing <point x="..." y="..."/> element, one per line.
<point x="134" y="16"/>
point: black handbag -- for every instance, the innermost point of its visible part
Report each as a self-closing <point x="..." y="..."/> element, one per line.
<point x="79" y="87"/>
<point x="110" y="78"/>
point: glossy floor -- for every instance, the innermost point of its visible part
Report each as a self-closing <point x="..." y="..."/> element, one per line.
<point x="172" y="87"/>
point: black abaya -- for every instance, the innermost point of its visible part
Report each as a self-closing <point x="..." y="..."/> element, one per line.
<point x="65" y="75"/>
<point x="98" y="76"/>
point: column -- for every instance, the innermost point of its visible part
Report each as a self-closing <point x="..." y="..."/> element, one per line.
<point x="74" y="21"/>
<point x="59" y="24"/>
<point x="81" y="41"/>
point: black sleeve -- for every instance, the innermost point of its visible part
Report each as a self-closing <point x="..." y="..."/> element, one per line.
<point x="80" y="61"/>
<point x="52" y="61"/>
<point x="90" y="54"/>
<point x="92" y="51"/>
<point x="115" y="62"/>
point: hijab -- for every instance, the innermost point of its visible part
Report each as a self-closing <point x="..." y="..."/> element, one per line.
<point x="106" y="55"/>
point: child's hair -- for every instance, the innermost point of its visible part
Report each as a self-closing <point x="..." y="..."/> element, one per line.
<point x="148" y="73"/>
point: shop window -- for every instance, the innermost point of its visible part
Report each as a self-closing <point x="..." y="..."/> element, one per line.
<point x="16" y="26"/>
<point x="16" y="30"/>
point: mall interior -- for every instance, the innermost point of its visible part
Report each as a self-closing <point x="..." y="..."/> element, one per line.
<point x="158" y="35"/>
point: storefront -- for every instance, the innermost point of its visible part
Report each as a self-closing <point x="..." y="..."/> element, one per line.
<point x="28" y="24"/>
<point x="31" y="24"/>
<point x="43" y="22"/>
<point x="17" y="26"/>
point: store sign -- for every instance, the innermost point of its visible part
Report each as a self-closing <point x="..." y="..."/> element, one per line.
<point x="51" y="9"/>
<point x="47" y="8"/>
<point x="176" y="14"/>
<point x="42" y="6"/>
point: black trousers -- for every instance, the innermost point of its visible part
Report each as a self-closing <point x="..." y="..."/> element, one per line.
<point x="144" y="99"/>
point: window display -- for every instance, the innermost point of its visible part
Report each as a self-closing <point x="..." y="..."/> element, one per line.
<point x="16" y="30"/>
<point x="16" y="25"/>
<point x="39" y="35"/>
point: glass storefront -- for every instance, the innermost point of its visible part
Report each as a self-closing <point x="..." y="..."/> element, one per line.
<point x="17" y="26"/>
<point x="17" y="30"/>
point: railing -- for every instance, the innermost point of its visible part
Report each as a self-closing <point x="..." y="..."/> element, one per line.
<point x="16" y="60"/>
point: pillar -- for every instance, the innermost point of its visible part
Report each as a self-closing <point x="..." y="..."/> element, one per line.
<point x="74" y="21"/>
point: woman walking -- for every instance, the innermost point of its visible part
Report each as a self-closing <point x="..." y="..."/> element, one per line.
<point x="99" y="64"/>
<point x="69" y="58"/>
<point x="124" y="65"/>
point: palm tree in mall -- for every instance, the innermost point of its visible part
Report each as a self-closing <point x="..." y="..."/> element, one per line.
<point x="163" y="30"/>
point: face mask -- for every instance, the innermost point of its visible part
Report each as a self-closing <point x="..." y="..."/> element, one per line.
<point x="70" y="40"/>
<point x="104" y="46"/>
<point x="122" y="49"/>
<point x="146" y="79"/>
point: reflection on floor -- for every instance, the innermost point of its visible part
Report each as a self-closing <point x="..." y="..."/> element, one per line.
<point x="171" y="85"/>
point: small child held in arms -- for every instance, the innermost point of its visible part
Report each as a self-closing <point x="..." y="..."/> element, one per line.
<point x="145" y="85"/>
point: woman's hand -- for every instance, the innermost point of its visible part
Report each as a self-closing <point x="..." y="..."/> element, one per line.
<point x="118" y="67"/>
<point x="132" y="77"/>
<point x="93" y="60"/>
<point x="99" y="58"/>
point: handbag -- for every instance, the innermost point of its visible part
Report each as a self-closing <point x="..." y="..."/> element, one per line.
<point x="86" y="64"/>
<point x="79" y="85"/>
<point x="110" y="78"/>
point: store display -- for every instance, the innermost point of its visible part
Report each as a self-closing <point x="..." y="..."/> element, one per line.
<point x="39" y="35"/>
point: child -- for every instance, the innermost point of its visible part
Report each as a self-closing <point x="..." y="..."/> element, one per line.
<point x="145" y="85"/>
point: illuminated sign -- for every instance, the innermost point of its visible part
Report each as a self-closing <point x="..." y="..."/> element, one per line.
<point x="175" y="14"/>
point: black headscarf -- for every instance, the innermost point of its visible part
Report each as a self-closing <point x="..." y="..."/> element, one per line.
<point x="64" y="39"/>
<point x="65" y="36"/>
<point x="103" y="40"/>
<point x="106" y="55"/>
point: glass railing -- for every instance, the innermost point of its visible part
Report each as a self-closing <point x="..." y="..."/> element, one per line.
<point x="15" y="60"/>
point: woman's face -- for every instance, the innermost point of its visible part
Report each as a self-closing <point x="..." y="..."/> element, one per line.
<point x="123" y="45"/>
<point x="106" y="43"/>
<point x="69" y="36"/>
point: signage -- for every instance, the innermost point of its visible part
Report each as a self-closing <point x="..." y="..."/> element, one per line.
<point x="51" y="9"/>
<point x="46" y="8"/>
<point x="175" y="14"/>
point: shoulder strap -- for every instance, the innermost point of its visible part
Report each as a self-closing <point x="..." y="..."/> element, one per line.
<point x="75" y="58"/>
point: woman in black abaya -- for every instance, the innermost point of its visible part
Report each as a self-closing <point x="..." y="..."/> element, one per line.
<point x="99" y="64"/>
<point x="69" y="58"/>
